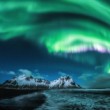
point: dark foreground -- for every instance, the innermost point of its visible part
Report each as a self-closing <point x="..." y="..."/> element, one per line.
<point x="6" y="93"/>
<point x="59" y="100"/>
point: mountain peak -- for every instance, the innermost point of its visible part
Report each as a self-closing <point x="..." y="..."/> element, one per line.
<point x="64" y="82"/>
<point x="30" y="82"/>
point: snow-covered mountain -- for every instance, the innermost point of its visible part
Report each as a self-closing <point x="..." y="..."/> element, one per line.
<point x="64" y="82"/>
<point x="31" y="82"/>
<point x="26" y="82"/>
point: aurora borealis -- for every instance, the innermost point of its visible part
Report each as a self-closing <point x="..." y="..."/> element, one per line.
<point x="72" y="31"/>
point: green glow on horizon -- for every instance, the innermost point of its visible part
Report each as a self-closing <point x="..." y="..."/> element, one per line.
<point x="107" y="68"/>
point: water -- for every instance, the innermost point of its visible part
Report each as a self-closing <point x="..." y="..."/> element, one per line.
<point x="58" y="100"/>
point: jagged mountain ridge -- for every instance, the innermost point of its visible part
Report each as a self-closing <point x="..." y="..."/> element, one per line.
<point x="24" y="81"/>
<point x="31" y="82"/>
<point x="64" y="82"/>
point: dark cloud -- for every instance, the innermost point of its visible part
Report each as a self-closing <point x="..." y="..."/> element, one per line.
<point x="95" y="80"/>
<point x="101" y="81"/>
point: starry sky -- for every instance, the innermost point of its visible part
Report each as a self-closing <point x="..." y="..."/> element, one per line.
<point x="53" y="38"/>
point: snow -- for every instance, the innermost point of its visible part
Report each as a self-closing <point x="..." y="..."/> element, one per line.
<point x="22" y="80"/>
<point x="64" y="82"/>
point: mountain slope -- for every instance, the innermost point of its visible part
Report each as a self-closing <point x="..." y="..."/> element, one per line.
<point x="23" y="81"/>
<point x="31" y="82"/>
<point x="64" y="82"/>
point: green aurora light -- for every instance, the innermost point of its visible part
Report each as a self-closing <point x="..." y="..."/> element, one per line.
<point x="17" y="18"/>
<point x="62" y="26"/>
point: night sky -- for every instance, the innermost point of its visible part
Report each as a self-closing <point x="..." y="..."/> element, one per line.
<point x="53" y="38"/>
